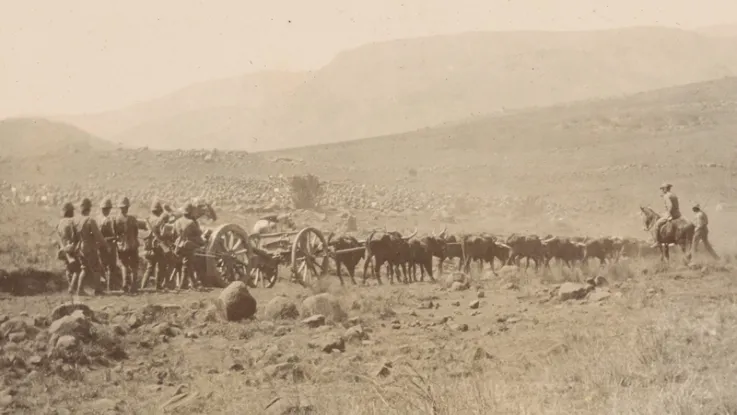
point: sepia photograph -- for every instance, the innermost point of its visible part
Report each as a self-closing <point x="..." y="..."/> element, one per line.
<point x="343" y="207"/>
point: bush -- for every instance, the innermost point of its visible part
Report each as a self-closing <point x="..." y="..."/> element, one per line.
<point x="306" y="190"/>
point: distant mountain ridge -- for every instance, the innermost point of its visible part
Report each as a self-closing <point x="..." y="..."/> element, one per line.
<point x="402" y="85"/>
<point x="28" y="137"/>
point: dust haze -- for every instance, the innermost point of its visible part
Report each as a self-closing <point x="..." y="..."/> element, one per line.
<point x="368" y="207"/>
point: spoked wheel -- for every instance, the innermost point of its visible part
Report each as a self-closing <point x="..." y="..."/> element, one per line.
<point x="309" y="256"/>
<point x="227" y="255"/>
<point x="266" y="277"/>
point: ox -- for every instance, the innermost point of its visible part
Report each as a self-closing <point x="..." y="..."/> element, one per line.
<point x="348" y="259"/>
<point x="451" y="248"/>
<point x="525" y="246"/>
<point x="563" y="249"/>
<point x="390" y="248"/>
<point x="421" y="253"/>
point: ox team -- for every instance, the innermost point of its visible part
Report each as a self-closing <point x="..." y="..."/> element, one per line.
<point x="92" y="248"/>
<point x="109" y="247"/>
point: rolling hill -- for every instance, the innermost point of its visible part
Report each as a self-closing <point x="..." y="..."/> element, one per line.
<point x="29" y="137"/>
<point x="401" y="85"/>
<point x="724" y="30"/>
<point x="203" y="108"/>
<point x="596" y="160"/>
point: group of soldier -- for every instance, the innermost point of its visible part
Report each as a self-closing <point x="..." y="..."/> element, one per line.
<point x="91" y="248"/>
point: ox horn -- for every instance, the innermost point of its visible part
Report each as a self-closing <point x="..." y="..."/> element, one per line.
<point x="406" y="238"/>
<point x="442" y="234"/>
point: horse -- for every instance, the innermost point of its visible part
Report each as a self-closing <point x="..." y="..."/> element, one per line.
<point x="679" y="232"/>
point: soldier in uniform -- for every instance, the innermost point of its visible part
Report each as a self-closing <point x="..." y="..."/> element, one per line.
<point x="156" y="247"/>
<point x="109" y="261"/>
<point x="68" y="243"/>
<point x="188" y="238"/>
<point x="701" y="233"/>
<point x="91" y="244"/>
<point x="672" y="211"/>
<point x="126" y="227"/>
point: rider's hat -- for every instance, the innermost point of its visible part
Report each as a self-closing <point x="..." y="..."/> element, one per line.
<point x="666" y="185"/>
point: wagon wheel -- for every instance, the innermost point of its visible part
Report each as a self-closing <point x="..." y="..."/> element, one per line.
<point x="264" y="275"/>
<point x="309" y="255"/>
<point x="228" y="255"/>
<point x="267" y="279"/>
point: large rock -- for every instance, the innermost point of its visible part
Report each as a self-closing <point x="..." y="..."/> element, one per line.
<point x="281" y="308"/>
<point x="325" y="304"/>
<point x="235" y="303"/>
<point x="457" y="281"/>
<point x="67" y="309"/>
<point x="76" y="325"/>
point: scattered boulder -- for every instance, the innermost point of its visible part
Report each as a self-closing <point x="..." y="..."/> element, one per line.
<point x="314" y="321"/>
<point x="332" y="342"/>
<point x="281" y="308"/>
<point x="325" y="304"/>
<point x="573" y="291"/>
<point x="76" y="325"/>
<point x="355" y="334"/>
<point x="67" y="309"/>
<point x="457" y="281"/>
<point x="235" y="303"/>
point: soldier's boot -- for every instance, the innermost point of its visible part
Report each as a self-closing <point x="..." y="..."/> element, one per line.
<point x="134" y="282"/>
<point x="98" y="287"/>
<point x="126" y="279"/>
<point x="150" y="271"/>
<point x="72" y="278"/>
<point x="79" y="286"/>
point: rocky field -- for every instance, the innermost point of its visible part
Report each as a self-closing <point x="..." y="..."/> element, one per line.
<point x="630" y="337"/>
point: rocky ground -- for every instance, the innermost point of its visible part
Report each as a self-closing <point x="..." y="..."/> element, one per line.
<point x="634" y="340"/>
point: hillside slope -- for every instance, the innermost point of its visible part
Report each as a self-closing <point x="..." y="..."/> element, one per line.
<point x="591" y="163"/>
<point x="202" y="108"/>
<point x="28" y="137"/>
<point x="402" y="85"/>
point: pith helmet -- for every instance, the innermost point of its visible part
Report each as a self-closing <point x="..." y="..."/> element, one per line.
<point x="156" y="207"/>
<point x="68" y="207"/>
<point x="697" y="207"/>
<point x="124" y="202"/>
<point x="666" y="185"/>
<point x="86" y="203"/>
<point x="106" y="203"/>
<point x="188" y="208"/>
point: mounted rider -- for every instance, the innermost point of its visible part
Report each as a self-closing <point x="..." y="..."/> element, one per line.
<point x="672" y="211"/>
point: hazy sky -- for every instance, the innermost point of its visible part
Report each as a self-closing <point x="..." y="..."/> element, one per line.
<point x="70" y="56"/>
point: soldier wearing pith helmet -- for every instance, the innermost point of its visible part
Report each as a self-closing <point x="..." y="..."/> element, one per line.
<point x="68" y="243"/>
<point x="126" y="229"/>
<point x="188" y="238"/>
<point x="91" y="244"/>
<point x="109" y="261"/>
<point x="156" y="247"/>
